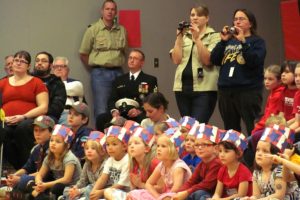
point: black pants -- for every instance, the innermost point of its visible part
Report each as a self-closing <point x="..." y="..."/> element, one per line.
<point x="199" y="105"/>
<point x="17" y="141"/>
<point x="237" y="104"/>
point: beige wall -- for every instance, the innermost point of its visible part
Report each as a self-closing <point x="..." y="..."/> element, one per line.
<point x="57" y="26"/>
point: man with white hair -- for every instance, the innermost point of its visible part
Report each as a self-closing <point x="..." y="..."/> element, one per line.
<point x="74" y="88"/>
<point x="8" y="65"/>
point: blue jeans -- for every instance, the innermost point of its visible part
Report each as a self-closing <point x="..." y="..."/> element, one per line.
<point x="199" y="195"/>
<point x="64" y="118"/>
<point x="101" y="81"/>
<point x="199" y="105"/>
<point x="86" y="193"/>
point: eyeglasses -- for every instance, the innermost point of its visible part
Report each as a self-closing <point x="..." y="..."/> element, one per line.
<point x="201" y="146"/>
<point x="59" y="66"/>
<point x="20" y="61"/>
<point x="239" y="19"/>
<point x="41" y="60"/>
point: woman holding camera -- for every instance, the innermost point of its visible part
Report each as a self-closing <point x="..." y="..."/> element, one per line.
<point x="195" y="78"/>
<point x="241" y="54"/>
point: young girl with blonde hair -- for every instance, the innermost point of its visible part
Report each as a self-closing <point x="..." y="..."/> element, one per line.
<point x="95" y="156"/>
<point x="172" y="170"/>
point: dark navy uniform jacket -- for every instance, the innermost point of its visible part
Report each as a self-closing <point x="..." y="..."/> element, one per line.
<point x="33" y="163"/>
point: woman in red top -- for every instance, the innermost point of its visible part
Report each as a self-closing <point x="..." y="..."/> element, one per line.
<point x="24" y="97"/>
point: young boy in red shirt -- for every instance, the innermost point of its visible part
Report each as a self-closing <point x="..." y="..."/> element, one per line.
<point x="204" y="179"/>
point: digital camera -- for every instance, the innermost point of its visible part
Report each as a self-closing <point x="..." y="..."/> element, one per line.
<point x="232" y="30"/>
<point x="182" y="25"/>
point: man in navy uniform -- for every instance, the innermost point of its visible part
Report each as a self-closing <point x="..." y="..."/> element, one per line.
<point x="128" y="92"/>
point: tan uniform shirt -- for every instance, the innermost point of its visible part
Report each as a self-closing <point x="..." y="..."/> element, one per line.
<point x="211" y="73"/>
<point x="105" y="47"/>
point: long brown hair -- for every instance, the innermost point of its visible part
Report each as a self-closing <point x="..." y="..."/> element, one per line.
<point x="251" y="18"/>
<point x="51" y="157"/>
<point x="149" y="156"/>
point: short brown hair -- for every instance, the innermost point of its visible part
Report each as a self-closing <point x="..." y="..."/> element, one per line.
<point x="201" y="10"/>
<point x="109" y="1"/>
<point x="140" y="52"/>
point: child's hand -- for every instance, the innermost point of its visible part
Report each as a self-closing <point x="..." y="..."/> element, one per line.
<point x="34" y="193"/>
<point x="288" y="153"/>
<point x="96" y="194"/>
<point x="40" y="187"/>
<point x="180" y="195"/>
<point x="128" y="197"/>
<point x="74" y="192"/>
<point x="275" y="159"/>
<point x="135" y="180"/>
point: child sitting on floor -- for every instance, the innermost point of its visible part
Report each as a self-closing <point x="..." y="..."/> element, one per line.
<point x="203" y="182"/>
<point x="172" y="170"/>
<point x="268" y="182"/>
<point x="78" y="119"/>
<point x="95" y="156"/>
<point x="116" y="168"/>
<point x="60" y="162"/>
<point x="234" y="178"/>
<point x="42" y="128"/>
<point x="191" y="159"/>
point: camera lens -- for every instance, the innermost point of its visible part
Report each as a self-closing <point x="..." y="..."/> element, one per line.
<point x="182" y="25"/>
<point x="232" y="30"/>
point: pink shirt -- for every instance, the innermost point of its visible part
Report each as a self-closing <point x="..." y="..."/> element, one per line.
<point x="167" y="175"/>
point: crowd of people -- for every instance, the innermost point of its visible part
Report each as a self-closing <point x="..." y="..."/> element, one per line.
<point x="137" y="150"/>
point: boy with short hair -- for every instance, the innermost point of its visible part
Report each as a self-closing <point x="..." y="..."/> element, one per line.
<point x="116" y="168"/>
<point x="204" y="179"/>
<point x="42" y="128"/>
<point x="78" y="119"/>
<point x="191" y="159"/>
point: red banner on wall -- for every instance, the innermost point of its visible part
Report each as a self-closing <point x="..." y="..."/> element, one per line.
<point x="130" y="19"/>
<point x="290" y="17"/>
